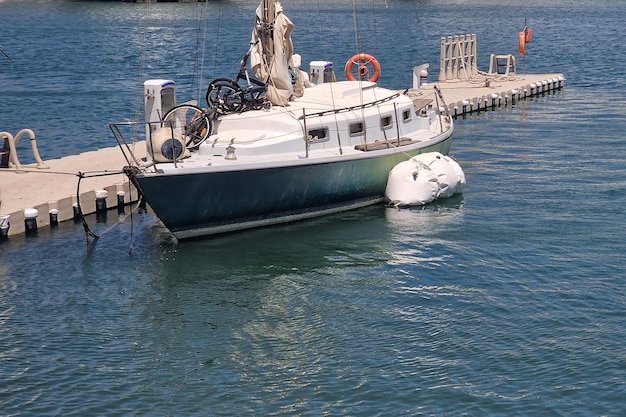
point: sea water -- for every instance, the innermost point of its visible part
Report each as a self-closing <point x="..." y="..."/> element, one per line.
<point x="506" y="300"/>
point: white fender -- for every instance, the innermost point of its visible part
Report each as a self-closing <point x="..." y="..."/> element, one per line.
<point x="166" y="145"/>
<point x="411" y="183"/>
<point x="448" y="172"/>
<point x="424" y="178"/>
<point x="459" y="174"/>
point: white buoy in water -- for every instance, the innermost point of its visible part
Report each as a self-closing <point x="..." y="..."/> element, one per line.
<point x="424" y="178"/>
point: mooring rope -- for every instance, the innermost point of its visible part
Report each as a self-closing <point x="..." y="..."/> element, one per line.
<point x="88" y="233"/>
<point x="73" y="174"/>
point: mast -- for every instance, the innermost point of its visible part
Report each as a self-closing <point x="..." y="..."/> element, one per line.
<point x="272" y="51"/>
<point x="267" y="31"/>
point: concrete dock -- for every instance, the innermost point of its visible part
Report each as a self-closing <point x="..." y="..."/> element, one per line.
<point x="493" y="90"/>
<point x="54" y="190"/>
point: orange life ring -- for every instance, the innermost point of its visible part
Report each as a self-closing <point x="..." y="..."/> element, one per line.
<point x="362" y="61"/>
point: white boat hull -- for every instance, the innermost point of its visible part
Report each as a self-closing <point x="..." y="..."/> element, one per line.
<point x="214" y="200"/>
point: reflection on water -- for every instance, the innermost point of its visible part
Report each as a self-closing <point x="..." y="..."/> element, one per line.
<point x="433" y="217"/>
<point x="323" y="245"/>
<point x="277" y="303"/>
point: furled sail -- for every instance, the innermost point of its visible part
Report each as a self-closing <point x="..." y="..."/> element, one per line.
<point x="272" y="53"/>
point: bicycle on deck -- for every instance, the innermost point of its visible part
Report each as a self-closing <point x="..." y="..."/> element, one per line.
<point x="224" y="95"/>
<point x="238" y="94"/>
<point x="193" y="123"/>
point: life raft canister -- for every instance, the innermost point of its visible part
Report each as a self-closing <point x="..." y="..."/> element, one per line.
<point x="362" y="61"/>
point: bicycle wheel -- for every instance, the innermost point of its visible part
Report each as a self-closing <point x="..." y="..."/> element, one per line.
<point x="191" y="122"/>
<point x="225" y="95"/>
<point x="257" y="100"/>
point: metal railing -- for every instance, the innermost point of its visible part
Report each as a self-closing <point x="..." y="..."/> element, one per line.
<point x="8" y="153"/>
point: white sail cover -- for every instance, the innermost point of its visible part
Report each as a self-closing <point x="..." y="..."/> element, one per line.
<point x="272" y="52"/>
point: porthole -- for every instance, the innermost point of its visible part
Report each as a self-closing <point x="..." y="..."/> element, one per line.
<point x="357" y="129"/>
<point x="386" y="122"/>
<point x="318" y="135"/>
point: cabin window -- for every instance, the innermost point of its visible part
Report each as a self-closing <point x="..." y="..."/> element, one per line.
<point x="386" y="122"/>
<point x="318" y="135"/>
<point x="357" y="129"/>
<point x="406" y="115"/>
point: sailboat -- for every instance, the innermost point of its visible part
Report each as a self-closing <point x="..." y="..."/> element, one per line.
<point x="277" y="144"/>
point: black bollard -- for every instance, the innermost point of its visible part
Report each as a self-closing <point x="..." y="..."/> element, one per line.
<point x="120" y="202"/>
<point x="54" y="217"/>
<point x="30" y="220"/>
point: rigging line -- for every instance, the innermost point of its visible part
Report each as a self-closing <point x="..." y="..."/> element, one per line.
<point x="325" y="46"/>
<point x="357" y="36"/>
<point x="217" y="37"/>
<point x="194" y="91"/>
<point x="201" y="11"/>
<point x="375" y="25"/>
<point x="439" y="95"/>
<point x="358" y="50"/>
<point x="306" y="20"/>
<point x="330" y="85"/>
<point x="204" y="42"/>
<point x="5" y="54"/>
<point x="420" y="27"/>
<point x="142" y="62"/>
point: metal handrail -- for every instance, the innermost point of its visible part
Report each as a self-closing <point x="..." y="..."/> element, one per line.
<point x="13" y="159"/>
